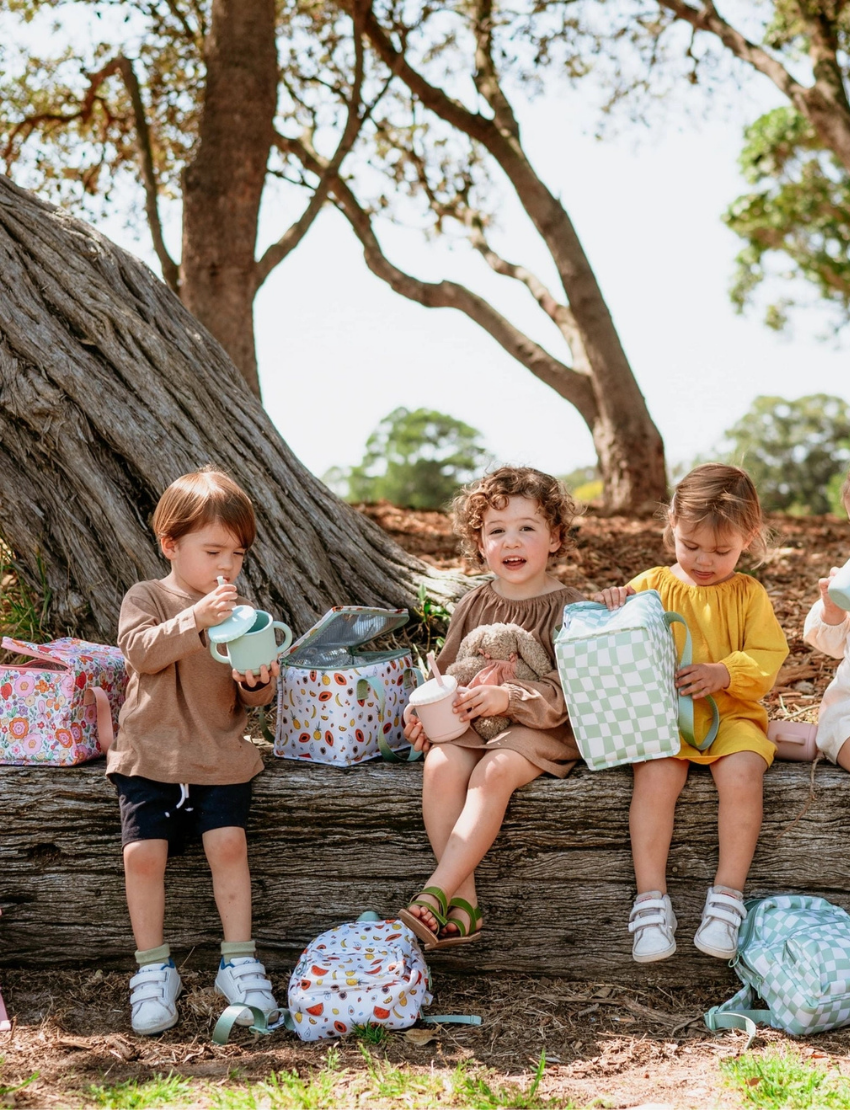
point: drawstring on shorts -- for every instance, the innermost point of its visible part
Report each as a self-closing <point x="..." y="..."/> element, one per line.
<point x="184" y="797"/>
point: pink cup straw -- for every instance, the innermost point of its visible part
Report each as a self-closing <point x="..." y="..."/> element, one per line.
<point x="432" y="666"/>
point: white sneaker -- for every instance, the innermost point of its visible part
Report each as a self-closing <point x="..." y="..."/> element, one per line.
<point x="243" y="979"/>
<point x="722" y="916"/>
<point x="653" y="923"/>
<point x="153" y="993"/>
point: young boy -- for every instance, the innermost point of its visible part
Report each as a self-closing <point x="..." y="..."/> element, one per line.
<point x="180" y="762"/>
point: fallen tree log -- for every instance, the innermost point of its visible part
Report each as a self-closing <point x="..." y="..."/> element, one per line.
<point x="326" y="844"/>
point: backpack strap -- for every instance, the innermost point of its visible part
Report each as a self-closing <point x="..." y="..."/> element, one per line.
<point x="736" y="1014"/>
<point x="105" y="732"/>
<point x="686" y="702"/>
<point x="261" y="1025"/>
<point x="451" y="1019"/>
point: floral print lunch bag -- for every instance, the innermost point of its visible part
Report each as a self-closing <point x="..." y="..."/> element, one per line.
<point x="60" y="707"/>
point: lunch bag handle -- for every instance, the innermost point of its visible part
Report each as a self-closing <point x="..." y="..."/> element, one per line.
<point x="686" y="702"/>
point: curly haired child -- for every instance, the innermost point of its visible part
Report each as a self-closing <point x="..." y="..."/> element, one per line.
<point x="511" y="522"/>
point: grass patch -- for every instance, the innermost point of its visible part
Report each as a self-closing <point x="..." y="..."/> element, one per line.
<point x="7" y="1092"/>
<point x="779" y="1079"/>
<point x="135" y="1094"/>
<point x="23" y="612"/>
<point x="402" y="1086"/>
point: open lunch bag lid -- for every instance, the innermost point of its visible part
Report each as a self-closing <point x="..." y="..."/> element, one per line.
<point x="331" y="640"/>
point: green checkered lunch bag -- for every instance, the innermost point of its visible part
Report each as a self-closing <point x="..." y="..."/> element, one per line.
<point x="617" y="669"/>
<point x="794" y="954"/>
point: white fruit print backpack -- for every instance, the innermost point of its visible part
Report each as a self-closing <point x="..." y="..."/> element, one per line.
<point x="364" y="972"/>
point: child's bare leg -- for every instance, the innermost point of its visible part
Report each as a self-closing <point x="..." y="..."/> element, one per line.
<point x="144" y="881"/>
<point x="657" y="785"/>
<point x="227" y="854"/>
<point x="739" y="781"/>
<point x="492" y="782"/>
<point x="444" y="787"/>
<point x="843" y="757"/>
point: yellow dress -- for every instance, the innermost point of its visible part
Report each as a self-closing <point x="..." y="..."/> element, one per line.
<point x="731" y="623"/>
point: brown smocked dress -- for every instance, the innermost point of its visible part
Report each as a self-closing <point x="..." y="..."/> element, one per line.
<point x="540" y="729"/>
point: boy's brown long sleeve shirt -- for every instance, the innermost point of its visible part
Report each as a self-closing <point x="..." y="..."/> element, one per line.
<point x="184" y="717"/>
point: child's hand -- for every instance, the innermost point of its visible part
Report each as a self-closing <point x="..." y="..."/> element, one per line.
<point x="701" y="679"/>
<point x="250" y="680"/>
<point x="614" y="596"/>
<point x="832" y="613"/>
<point x="415" y="734"/>
<point x="481" y="701"/>
<point x="216" y="606"/>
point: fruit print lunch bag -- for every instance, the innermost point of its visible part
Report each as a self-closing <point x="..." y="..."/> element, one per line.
<point x="338" y="704"/>
<point x="61" y="707"/>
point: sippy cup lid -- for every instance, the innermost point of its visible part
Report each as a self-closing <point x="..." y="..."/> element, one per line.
<point x="432" y="690"/>
<point x="237" y="624"/>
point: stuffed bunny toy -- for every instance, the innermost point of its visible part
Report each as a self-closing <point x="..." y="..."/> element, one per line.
<point x="495" y="653"/>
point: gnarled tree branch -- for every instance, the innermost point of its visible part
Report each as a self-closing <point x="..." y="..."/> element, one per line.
<point x="575" y="387"/>
<point x="170" y="269"/>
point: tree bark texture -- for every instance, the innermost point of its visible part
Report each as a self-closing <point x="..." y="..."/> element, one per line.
<point x="109" y="390"/>
<point x="326" y="844"/>
<point x="223" y="184"/>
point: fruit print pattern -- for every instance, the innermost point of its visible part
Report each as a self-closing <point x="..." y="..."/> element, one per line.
<point x="43" y="718"/>
<point x="360" y="973"/>
<point x="335" y="716"/>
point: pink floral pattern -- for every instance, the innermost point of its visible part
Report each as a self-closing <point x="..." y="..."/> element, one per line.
<point x="43" y="718"/>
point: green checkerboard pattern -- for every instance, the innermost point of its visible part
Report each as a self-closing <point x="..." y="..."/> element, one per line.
<point x="617" y="670"/>
<point x="794" y="953"/>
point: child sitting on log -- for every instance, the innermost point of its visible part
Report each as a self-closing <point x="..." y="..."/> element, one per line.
<point x="512" y="522"/>
<point x="738" y="648"/>
<point x="827" y="628"/>
<point x="180" y="762"/>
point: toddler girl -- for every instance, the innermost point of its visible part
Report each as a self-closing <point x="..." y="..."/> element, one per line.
<point x="511" y="522"/>
<point x="180" y="762"/>
<point x="827" y="628"/>
<point x="738" y="648"/>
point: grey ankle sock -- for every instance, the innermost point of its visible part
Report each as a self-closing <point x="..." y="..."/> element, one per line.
<point x="235" y="949"/>
<point x="154" y="955"/>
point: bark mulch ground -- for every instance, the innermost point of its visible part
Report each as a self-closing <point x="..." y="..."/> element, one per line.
<point x="605" y="1045"/>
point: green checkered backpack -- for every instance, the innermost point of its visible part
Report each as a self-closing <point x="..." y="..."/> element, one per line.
<point x="617" y="669"/>
<point x="794" y="954"/>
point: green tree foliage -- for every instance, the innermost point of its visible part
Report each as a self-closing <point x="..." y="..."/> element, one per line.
<point x="798" y="212"/>
<point x="417" y="459"/>
<point x="795" y="451"/>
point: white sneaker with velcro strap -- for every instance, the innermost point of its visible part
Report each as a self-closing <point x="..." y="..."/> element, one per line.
<point x="153" y="993"/>
<point x="722" y="916"/>
<point x="243" y="979"/>
<point x="653" y="924"/>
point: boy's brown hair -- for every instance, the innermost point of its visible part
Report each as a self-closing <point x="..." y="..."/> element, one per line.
<point x="724" y="499"/>
<point x="492" y="492"/>
<point x="206" y="496"/>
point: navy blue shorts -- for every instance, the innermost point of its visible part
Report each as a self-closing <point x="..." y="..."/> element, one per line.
<point x="153" y="811"/>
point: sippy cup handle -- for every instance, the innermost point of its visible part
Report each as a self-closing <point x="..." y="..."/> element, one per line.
<point x="216" y="654"/>
<point x="287" y="636"/>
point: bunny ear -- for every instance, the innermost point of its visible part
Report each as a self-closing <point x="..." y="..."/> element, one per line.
<point x="533" y="653"/>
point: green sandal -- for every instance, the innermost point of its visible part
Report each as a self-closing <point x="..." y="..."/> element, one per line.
<point x="417" y="925"/>
<point x="466" y="934"/>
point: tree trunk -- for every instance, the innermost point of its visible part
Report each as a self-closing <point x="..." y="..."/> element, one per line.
<point x="223" y="184"/>
<point x="109" y="390"/>
<point x="326" y="844"/>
